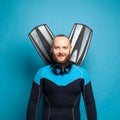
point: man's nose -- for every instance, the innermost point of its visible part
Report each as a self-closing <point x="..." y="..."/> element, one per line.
<point x="61" y="51"/>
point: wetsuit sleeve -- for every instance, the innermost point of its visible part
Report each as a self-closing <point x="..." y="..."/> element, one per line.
<point x="90" y="102"/>
<point x="34" y="99"/>
<point x="89" y="99"/>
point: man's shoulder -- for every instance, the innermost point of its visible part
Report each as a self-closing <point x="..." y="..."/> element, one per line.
<point x="40" y="73"/>
<point x="42" y="69"/>
<point x="82" y="72"/>
<point x="79" y="68"/>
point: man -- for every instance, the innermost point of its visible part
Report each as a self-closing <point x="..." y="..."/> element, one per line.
<point x="61" y="84"/>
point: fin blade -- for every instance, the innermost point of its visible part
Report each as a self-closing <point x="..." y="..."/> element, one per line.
<point x="80" y="38"/>
<point x="42" y="37"/>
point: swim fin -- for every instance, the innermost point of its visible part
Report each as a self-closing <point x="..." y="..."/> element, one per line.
<point x="42" y="37"/>
<point x="80" y="38"/>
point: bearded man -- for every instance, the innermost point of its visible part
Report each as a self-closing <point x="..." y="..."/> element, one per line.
<point x="62" y="84"/>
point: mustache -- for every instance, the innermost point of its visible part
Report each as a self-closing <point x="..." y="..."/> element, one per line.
<point x="60" y="54"/>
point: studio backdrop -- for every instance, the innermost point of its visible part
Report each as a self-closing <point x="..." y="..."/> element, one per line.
<point x="19" y="61"/>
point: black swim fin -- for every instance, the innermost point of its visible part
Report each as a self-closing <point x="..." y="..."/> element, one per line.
<point x="42" y="37"/>
<point x="80" y="38"/>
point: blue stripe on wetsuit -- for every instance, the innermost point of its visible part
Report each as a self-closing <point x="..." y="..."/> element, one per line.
<point x="62" y="80"/>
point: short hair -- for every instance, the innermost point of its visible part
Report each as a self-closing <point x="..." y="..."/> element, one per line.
<point x="61" y="35"/>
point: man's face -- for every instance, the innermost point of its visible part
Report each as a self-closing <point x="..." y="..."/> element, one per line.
<point x="61" y="49"/>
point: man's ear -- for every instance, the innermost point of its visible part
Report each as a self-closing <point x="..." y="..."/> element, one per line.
<point x="71" y="48"/>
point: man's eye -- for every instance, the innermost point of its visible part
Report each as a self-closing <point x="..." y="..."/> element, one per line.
<point x="56" y="47"/>
<point x="65" y="47"/>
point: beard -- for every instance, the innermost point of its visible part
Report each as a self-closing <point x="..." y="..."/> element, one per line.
<point x="56" y="59"/>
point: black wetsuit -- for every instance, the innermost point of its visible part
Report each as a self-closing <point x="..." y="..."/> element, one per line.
<point x="61" y="94"/>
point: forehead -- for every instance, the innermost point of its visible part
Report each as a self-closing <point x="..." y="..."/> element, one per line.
<point x="61" y="40"/>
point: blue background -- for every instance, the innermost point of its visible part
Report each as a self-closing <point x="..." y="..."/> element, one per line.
<point x="19" y="60"/>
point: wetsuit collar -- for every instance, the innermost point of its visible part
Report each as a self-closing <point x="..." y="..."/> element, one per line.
<point x="61" y="68"/>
